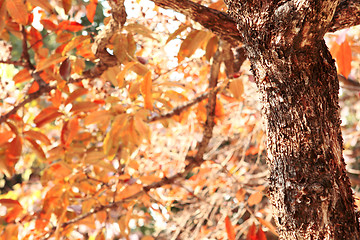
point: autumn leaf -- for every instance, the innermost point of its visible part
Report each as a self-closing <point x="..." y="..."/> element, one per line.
<point x="129" y="191"/>
<point x="251" y="233"/>
<point x="71" y="26"/>
<point x="146" y="90"/>
<point x="17" y="11"/>
<point x="34" y="87"/>
<point x="66" y="4"/>
<point x="229" y="228"/>
<point x="192" y="42"/>
<point x="48" y="114"/>
<point x="44" y="4"/>
<point x="211" y="47"/>
<point x="76" y="94"/>
<point x="65" y="69"/>
<point x="22" y="76"/>
<point x="181" y="28"/>
<point x="255" y="198"/>
<point x="48" y="62"/>
<point x="91" y="10"/>
<point x="343" y="55"/>
<point x="5" y="136"/>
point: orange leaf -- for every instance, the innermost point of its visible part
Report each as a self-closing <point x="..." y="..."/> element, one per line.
<point x="66" y="5"/>
<point x="342" y="54"/>
<point x="47" y="115"/>
<point x="34" y="87"/>
<point x="22" y="76"/>
<point x="48" y="24"/>
<point x="17" y="11"/>
<point x="91" y="9"/>
<point x="14" y="150"/>
<point x="37" y="136"/>
<point x="84" y="107"/>
<point x="255" y="198"/>
<point x="260" y="235"/>
<point x="47" y="62"/>
<point x="129" y="191"/>
<point x="55" y="98"/>
<point x="5" y="136"/>
<point x="267" y="224"/>
<point x="146" y="89"/>
<point x="251" y="233"/>
<point x="229" y="229"/>
<point x="71" y="26"/>
<point x="36" y="147"/>
<point x="75" y="94"/>
<point x="73" y="127"/>
<point x="44" y="4"/>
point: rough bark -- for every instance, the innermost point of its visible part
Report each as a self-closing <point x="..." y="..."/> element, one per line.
<point x="297" y="79"/>
<point x="347" y="14"/>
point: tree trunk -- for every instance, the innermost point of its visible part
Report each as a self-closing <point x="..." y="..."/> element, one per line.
<point x="296" y="76"/>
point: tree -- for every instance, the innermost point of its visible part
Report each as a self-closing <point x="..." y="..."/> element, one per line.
<point x="99" y="94"/>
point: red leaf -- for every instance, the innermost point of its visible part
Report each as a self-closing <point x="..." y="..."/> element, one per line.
<point x="229" y="229"/>
<point x="34" y="87"/>
<point x="260" y="235"/>
<point x="252" y="233"/>
<point x="91" y="9"/>
<point x="70" y="26"/>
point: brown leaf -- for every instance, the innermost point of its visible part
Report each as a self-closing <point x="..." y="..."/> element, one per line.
<point x="65" y="69"/>
<point x="192" y="42"/>
<point x="211" y="47"/>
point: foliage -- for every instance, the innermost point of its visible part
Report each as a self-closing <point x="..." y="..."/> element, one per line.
<point x="111" y="129"/>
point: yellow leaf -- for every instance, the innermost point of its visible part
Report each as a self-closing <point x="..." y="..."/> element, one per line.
<point x="146" y="90"/>
<point x="47" y="62"/>
<point x="17" y="11"/>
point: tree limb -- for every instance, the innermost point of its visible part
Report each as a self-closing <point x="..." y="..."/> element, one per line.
<point x="347" y="14"/>
<point x="217" y="21"/>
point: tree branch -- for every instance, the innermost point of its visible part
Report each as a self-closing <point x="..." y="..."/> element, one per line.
<point x="214" y="20"/>
<point x="347" y="14"/>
